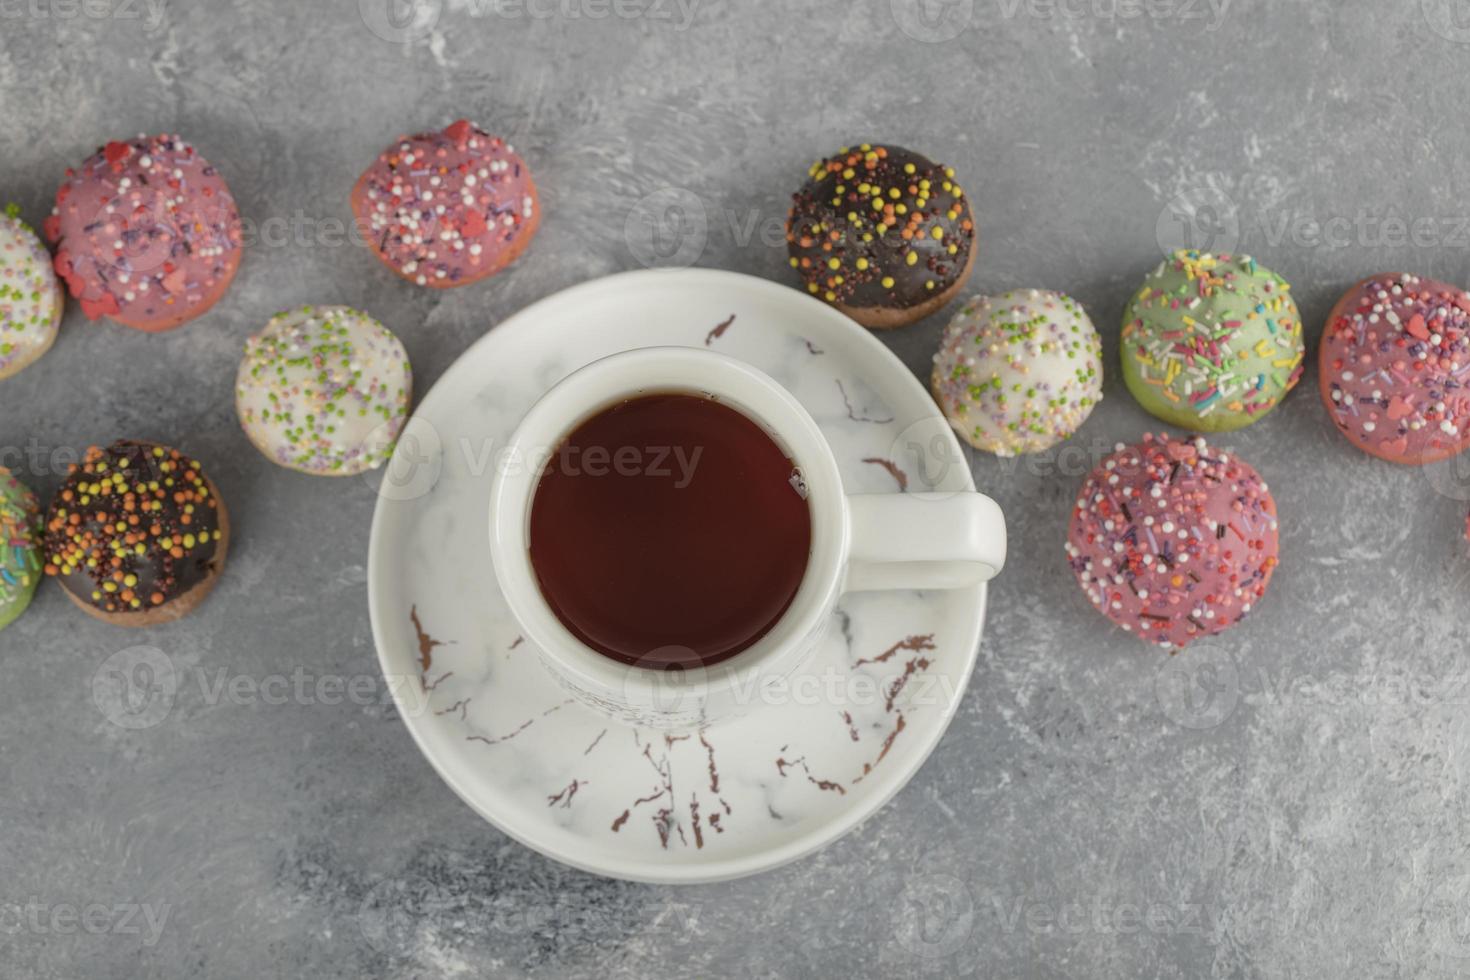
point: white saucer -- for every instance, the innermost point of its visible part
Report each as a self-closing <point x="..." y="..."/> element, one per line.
<point x="807" y="762"/>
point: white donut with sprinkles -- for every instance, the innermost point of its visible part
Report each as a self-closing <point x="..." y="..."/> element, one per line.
<point x="1019" y="372"/>
<point x="30" y="296"/>
<point x="324" y="390"/>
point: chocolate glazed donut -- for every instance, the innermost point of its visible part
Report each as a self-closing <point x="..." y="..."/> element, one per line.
<point x="137" y="534"/>
<point x="882" y="233"/>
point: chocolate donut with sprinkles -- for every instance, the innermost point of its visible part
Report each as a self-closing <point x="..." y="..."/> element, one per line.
<point x="148" y="233"/>
<point x="137" y="534"/>
<point x="1395" y="362"/>
<point x="1212" y="342"/>
<point x="449" y="208"/>
<point x="882" y="233"/>
<point x="1174" y="540"/>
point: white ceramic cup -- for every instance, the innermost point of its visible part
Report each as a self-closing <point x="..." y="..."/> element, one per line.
<point x="859" y="542"/>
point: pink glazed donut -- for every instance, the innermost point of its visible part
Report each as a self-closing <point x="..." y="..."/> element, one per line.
<point x="447" y="209"/>
<point x="1396" y="368"/>
<point x="1173" y="540"/>
<point x="148" y="233"/>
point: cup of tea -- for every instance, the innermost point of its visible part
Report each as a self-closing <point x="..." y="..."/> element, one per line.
<point x="671" y="533"/>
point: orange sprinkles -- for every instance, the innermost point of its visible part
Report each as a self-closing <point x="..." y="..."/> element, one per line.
<point x="98" y="545"/>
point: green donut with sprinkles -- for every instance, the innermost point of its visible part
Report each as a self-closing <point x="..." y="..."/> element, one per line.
<point x="1212" y="342"/>
<point x="20" y="553"/>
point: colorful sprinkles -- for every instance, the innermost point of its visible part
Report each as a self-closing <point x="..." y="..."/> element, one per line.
<point x="1019" y="372"/>
<point x="149" y="234"/>
<point x="133" y="527"/>
<point x="1173" y="540"/>
<point x="20" y="561"/>
<point x="30" y="297"/>
<point x="449" y="208"/>
<point x="1212" y="342"/>
<point x="324" y="390"/>
<point x="880" y="227"/>
<point x="1395" y="366"/>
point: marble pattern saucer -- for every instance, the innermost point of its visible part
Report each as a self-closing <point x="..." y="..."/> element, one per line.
<point x="809" y="759"/>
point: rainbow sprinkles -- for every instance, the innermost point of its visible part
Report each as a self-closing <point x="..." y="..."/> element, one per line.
<point x="1212" y="343"/>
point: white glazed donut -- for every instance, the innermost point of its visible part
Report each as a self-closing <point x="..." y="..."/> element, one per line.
<point x="324" y="390"/>
<point x="1019" y="372"/>
<point x="30" y="296"/>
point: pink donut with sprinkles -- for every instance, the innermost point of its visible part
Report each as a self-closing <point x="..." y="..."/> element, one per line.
<point x="1396" y="368"/>
<point x="148" y="233"/>
<point x="447" y="209"/>
<point x="1173" y="540"/>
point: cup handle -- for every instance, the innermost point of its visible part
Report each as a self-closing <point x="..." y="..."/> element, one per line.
<point x="923" y="541"/>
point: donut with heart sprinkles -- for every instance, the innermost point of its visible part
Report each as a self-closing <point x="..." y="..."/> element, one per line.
<point x="448" y="208"/>
<point x="137" y="534"/>
<point x="148" y="233"/>
<point x="1395" y="363"/>
<point x="1174" y="540"/>
<point x="882" y="233"/>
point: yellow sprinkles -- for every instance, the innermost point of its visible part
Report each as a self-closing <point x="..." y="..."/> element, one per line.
<point x="879" y="227"/>
<point x="1212" y="342"/>
<point x="134" y="526"/>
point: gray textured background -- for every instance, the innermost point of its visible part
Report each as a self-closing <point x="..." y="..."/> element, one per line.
<point x="1287" y="801"/>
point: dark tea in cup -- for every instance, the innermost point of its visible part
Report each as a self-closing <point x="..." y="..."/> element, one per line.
<point x="669" y="531"/>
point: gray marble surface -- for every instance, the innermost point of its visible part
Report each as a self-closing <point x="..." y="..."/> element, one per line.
<point x="1284" y="801"/>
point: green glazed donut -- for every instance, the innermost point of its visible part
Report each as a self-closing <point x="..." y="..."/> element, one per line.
<point x="20" y="553"/>
<point x="1212" y="342"/>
